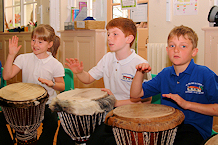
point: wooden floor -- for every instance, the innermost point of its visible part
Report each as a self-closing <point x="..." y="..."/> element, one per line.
<point x="39" y="131"/>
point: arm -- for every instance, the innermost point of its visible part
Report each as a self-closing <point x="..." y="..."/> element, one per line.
<point x="128" y="101"/>
<point x="77" y="68"/>
<point x="132" y="101"/>
<point x="11" y="70"/>
<point x="58" y="85"/>
<point x="136" y="90"/>
<point x="206" y="109"/>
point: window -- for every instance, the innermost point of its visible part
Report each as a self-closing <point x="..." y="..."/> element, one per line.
<point x="19" y="12"/>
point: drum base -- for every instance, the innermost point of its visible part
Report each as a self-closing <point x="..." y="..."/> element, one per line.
<point x="29" y="142"/>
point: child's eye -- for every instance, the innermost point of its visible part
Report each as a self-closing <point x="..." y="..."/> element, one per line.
<point x="33" y="40"/>
<point x="183" y="46"/>
<point x="171" y="46"/>
<point x="115" y="34"/>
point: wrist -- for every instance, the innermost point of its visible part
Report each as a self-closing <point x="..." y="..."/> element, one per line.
<point x="53" y="84"/>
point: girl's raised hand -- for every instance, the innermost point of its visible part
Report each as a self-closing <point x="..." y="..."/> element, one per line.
<point x="13" y="45"/>
<point x="75" y="66"/>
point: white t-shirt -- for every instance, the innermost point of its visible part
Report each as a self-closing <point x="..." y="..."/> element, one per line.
<point x="118" y="75"/>
<point x="33" y="68"/>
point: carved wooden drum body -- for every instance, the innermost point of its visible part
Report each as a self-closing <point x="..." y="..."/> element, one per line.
<point x="144" y="124"/>
<point x="23" y="105"/>
<point x="82" y="110"/>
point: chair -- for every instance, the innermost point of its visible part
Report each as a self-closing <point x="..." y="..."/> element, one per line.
<point x="68" y="79"/>
<point x="3" y="82"/>
<point x="157" y="98"/>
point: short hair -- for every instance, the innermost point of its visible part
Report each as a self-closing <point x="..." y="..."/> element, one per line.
<point x="127" y="26"/>
<point x="46" y="32"/>
<point x="184" y="31"/>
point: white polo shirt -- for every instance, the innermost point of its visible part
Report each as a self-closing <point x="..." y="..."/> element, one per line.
<point x="118" y="75"/>
<point x="33" y="68"/>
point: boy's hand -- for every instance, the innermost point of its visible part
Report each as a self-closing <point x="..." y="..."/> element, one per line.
<point x="13" y="43"/>
<point x="143" y="68"/>
<point x="47" y="82"/>
<point x="74" y="65"/>
<point x="179" y="100"/>
<point x="108" y="91"/>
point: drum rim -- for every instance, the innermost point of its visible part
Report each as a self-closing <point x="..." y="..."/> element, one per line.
<point x="25" y="103"/>
<point x="153" y="125"/>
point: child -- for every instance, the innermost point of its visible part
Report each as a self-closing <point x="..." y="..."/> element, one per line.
<point x="116" y="67"/>
<point x="176" y="85"/>
<point x="39" y="67"/>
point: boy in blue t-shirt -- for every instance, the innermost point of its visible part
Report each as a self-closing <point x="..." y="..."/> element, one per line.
<point x="186" y="86"/>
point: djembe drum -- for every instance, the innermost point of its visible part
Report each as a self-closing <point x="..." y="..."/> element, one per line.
<point x="144" y="124"/>
<point x="82" y="110"/>
<point x="212" y="141"/>
<point x="23" y="105"/>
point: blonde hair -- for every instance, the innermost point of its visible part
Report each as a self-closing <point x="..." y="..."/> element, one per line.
<point x="127" y="26"/>
<point x="46" y="32"/>
<point x="184" y="31"/>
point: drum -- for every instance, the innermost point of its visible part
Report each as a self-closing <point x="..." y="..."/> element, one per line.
<point x="82" y="110"/>
<point x="144" y="124"/>
<point x="23" y="105"/>
<point x="213" y="140"/>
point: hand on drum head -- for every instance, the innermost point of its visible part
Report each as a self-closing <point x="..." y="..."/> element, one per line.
<point x="179" y="100"/>
<point x="47" y="82"/>
<point x="13" y="46"/>
<point x="108" y="91"/>
<point x="75" y="66"/>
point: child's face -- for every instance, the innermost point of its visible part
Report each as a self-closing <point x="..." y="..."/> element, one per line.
<point x="40" y="47"/>
<point x="180" y="51"/>
<point x="116" y="39"/>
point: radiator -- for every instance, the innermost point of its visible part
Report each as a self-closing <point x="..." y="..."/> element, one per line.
<point x="157" y="57"/>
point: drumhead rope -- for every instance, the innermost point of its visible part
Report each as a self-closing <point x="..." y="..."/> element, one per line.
<point x="23" y="105"/>
<point x="144" y="124"/>
<point x="82" y="110"/>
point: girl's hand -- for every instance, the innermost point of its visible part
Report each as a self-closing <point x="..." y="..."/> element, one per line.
<point x="47" y="82"/>
<point x="74" y="65"/>
<point x="13" y="43"/>
<point x="143" y="68"/>
<point x="179" y="100"/>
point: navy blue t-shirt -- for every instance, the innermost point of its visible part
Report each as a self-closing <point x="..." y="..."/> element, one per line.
<point x="196" y="84"/>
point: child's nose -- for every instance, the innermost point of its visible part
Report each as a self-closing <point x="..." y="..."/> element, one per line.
<point x="176" y="49"/>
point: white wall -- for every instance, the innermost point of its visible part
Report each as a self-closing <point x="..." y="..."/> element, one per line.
<point x="159" y="28"/>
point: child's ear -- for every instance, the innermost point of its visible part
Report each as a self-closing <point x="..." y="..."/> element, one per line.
<point x="194" y="52"/>
<point x="50" y="44"/>
<point x="129" y="38"/>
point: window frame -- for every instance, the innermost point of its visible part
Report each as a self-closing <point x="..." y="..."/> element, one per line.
<point x="21" y="5"/>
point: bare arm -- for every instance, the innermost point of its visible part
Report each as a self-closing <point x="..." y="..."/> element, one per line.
<point x="132" y="101"/>
<point x="206" y="109"/>
<point x="136" y="90"/>
<point x="77" y="68"/>
<point x="58" y="85"/>
<point x="11" y="70"/>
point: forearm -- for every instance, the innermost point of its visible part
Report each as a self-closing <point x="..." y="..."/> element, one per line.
<point x="85" y="77"/>
<point x="136" y="86"/>
<point x="206" y="109"/>
<point x="59" y="86"/>
<point x="132" y="101"/>
<point x="8" y="71"/>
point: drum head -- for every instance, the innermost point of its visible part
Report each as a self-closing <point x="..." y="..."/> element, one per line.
<point x="212" y="141"/>
<point x="82" y="95"/>
<point x="145" y="117"/>
<point x="21" y="93"/>
<point x="79" y="101"/>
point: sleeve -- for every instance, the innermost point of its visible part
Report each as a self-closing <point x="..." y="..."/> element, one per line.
<point x="97" y="71"/>
<point x="59" y="70"/>
<point x="151" y="87"/>
<point x="212" y="88"/>
<point x="18" y="61"/>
